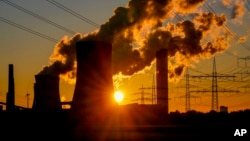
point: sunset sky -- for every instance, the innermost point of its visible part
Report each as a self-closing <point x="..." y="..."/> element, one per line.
<point x="193" y="32"/>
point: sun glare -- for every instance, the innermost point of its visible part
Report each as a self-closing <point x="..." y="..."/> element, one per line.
<point x="118" y="96"/>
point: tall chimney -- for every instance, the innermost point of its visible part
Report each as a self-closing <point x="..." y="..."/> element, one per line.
<point x="46" y="92"/>
<point x="93" y="94"/>
<point x="162" y="79"/>
<point x="10" y="98"/>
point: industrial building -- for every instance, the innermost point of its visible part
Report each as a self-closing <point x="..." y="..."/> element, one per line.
<point x="162" y="80"/>
<point x="93" y="94"/>
<point x="10" y="98"/>
<point x="46" y="92"/>
<point x="9" y="104"/>
<point x="223" y="109"/>
<point x="95" y="116"/>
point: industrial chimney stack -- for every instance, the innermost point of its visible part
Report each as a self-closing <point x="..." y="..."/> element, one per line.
<point x="162" y="80"/>
<point x="10" y="98"/>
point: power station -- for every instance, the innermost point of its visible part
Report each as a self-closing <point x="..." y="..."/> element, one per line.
<point x="93" y="94"/>
<point x="46" y="92"/>
<point x="95" y="116"/>
<point x="162" y="80"/>
<point x="10" y="98"/>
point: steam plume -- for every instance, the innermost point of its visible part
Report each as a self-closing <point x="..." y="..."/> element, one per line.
<point x="138" y="30"/>
<point x="63" y="59"/>
<point x="242" y="39"/>
<point x="226" y="2"/>
<point x="238" y="11"/>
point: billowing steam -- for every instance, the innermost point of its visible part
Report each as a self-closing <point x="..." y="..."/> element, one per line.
<point x="141" y="28"/>
<point x="63" y="59"/>
<point x="226" y="2"/>
<point x="238" y="11"/>
<point x="242" y="39"/>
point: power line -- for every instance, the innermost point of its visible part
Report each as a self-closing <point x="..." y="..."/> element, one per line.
<point x="28" y="30"/>
<point x="175" y="15"/>
<point x="38" y="16"/>
<point x="226" y="51"/>
<point x="215" y="89"/>
<point x="236" y="37"/>
<point x="231" y="54"/>
<point x="247" y="5"/>
<point x="198" y="71"/>
<point x="187" y="92"/>
<point x="57" y="4"/>
<point x="209" y="7"/>
<point x="248" y="8"/>
<point x="227" y="28"/>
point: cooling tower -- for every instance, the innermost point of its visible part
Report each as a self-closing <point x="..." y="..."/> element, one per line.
<point x="10" y="98"/>
<point x="162" y="79"/>
<point x="46" y="92"/>
<point x="93" y="94"/>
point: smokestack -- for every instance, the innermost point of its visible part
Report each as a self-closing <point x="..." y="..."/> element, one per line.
<point x="162" y="79"/>
<point x="46" y="92"/>
<point x="93" y="94"/>
<point x="10" y="99"/>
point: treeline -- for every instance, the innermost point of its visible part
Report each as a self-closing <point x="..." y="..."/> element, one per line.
<point x="241" y="117"/>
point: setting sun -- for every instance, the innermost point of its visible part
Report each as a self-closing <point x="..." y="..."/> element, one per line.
<point x="118" y="96"/>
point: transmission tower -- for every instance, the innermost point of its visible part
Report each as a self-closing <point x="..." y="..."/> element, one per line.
<point x="143" y="98"/>
<point x="215" y="90"/>
<point x="142" y="95"/>
<point x="246" y="87"/>
<point x="188" y="106"/>
<point x="153" y="97"/>
<point x="187" y="92"/>
<point x="187" y="95"/>
<point x="153" y="91"/>
<point x="244" y="59"/>
<point x="27" y="96"/>
<point x="215" y="103"/>
<point x="243" y="74"/>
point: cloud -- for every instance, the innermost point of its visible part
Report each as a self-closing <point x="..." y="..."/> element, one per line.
<point x="238" y="11"/>
<point x="63" y="59"/>
<point x="137" y="32"/>
<point x="242" y="39"/>
<point x="226" y="3"/>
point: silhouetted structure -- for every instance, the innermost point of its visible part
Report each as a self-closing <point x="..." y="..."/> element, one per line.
<point x="10" y="98"/>
<point x="215" y="88"/>
<point x="46" y="93"/>
<point x="93" y="94"/>
<point x="223" y="109"/>
<point x="162" y="79"/>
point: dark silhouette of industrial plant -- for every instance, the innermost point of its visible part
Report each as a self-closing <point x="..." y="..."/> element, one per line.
<point x="162" y="79"/>
<point x="46" y="89"/>
<point x="94" y="115"/>
<point x="10" y="98"/>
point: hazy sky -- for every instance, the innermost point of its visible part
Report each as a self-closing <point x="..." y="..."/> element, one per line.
<point x="30" y="52"/>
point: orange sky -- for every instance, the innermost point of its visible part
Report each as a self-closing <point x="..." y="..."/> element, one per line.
<point x="30" y="53"/>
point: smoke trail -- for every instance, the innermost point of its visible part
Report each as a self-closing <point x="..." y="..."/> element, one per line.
<point x="242" y="39"/>
<point x="138" y="30"/>
<point x="226" y="2"/>
<point x="128" y="23"/>
<point x="63" y="59"/>
<point x="186" y="45"/>
<point x="238" y="11"/>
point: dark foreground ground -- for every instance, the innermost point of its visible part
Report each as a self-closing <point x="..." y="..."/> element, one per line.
<point x="55" y="126"/>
